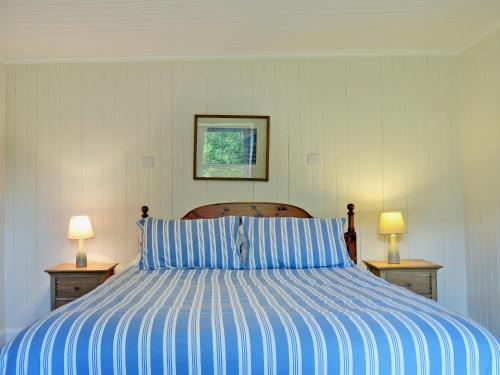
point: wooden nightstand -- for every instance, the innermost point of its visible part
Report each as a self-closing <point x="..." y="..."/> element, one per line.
<point x="419" y="276"/>
<point x="68" y="283"/>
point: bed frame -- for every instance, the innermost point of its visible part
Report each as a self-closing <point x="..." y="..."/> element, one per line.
<point x="265" y="209"/>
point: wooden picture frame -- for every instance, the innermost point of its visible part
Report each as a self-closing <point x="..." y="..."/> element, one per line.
<point x="231" y="147"/>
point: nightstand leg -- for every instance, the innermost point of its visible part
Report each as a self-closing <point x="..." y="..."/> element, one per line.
<point x="434" y="285"/>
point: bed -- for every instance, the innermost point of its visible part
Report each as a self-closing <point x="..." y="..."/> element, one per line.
<point x="325" y="320"/>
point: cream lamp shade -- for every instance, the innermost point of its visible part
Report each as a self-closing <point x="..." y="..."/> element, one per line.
<point x="80" y="228"/>
<point x="391" y="223"/>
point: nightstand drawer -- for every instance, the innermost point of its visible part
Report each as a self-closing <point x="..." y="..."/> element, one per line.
<point x="74" y="287"/>
<point x="419" y="282"/>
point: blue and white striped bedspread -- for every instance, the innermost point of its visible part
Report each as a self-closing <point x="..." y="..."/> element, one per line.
<point x="303" y="321"/>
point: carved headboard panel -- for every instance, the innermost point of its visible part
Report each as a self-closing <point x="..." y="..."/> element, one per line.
<point x="266" y="209"/>
<point x="259" y="209"/>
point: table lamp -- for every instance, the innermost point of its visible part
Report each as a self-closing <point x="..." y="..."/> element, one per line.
<point x="392" y="223"/>
<point x="80" y="229"/>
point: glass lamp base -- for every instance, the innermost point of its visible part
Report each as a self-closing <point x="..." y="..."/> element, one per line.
<point x="393" y="257"/>
<point x="81" y="261"/>
<point x="81" y="256"/>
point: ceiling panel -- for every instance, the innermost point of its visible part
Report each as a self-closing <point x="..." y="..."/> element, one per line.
<point x="123" y="28"/>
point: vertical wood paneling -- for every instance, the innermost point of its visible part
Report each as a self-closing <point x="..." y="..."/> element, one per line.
<point x="336" y="162"/>
<point x="319" y="126"/>
<point x="3" y="154"/>
<point x="301" y="183"/>
<point x="166" y="141"/>
<point x="10" y="208"/>
<point x="47" y="182"/>
<point x="480" y="127"/>
<point x="433" y="164"/>
<point x="154" y="113"/>
<point x="133" y="157"/>
<point x="143" y="130"/>
<point x="108" y="162"/>
<point x="298" y="133"/>
<point x="393" y="128"/>
<point x="419" y="182"/>
<point x="268" y="96"/>
<point x="117" y="168"/>
<point x="73" y="140"/>
<point x="454" y="250"/>
<point x="189" y="97"/>
<point x="366" y="114"/>
<point x="383" y="126"/>
<point x="91" y="159"/>
<point x="25" y="188"/>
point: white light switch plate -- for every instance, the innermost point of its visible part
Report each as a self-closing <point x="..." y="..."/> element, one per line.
<point x="148" y="162"/>
<point x="313" y="158"/>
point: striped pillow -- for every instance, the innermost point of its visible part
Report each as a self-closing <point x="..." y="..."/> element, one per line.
<point x="294" y="243"/>
<point x="204" y="243"/>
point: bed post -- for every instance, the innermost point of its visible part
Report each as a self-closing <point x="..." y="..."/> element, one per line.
<point x="350" y="235"/>
<point x="144" y="210"/>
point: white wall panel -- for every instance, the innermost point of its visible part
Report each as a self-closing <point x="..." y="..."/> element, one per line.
<point x="480" y="119"/>
<point x="3" y="154"/>
<point x="384" y="128"/>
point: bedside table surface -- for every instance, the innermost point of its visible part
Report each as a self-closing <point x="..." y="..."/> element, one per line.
<point x="71" y="267"/>
<point x="405" y="264"/>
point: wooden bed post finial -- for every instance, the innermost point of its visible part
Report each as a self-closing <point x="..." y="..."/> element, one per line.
<point x="144" y="210"/>
<point x="350" y="235"/>
<point x="350" y="217"/>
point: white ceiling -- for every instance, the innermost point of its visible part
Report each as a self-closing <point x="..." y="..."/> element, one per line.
<point x="149" y="28"/>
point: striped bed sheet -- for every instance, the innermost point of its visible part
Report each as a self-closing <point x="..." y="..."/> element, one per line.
<point x="270" y="321"/>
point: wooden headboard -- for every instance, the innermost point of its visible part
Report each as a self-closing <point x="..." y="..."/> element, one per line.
<point x="266" y="209"/>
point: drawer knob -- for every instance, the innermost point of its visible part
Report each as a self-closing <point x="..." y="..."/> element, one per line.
<point x="408" y="285"/>
<point x="77" y="288"/>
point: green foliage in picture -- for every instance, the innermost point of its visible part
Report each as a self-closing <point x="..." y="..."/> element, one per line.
<point x="230" y="146"/>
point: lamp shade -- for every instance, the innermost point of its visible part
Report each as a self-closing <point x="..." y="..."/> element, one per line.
<point x="80" y="228"/>
<point x="391" y="223"/>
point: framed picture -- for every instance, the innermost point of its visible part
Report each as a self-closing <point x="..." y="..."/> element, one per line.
<point x="230" y="147"/>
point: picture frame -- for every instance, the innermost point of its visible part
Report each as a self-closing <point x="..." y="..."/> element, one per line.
<point x="231" y="147"/>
